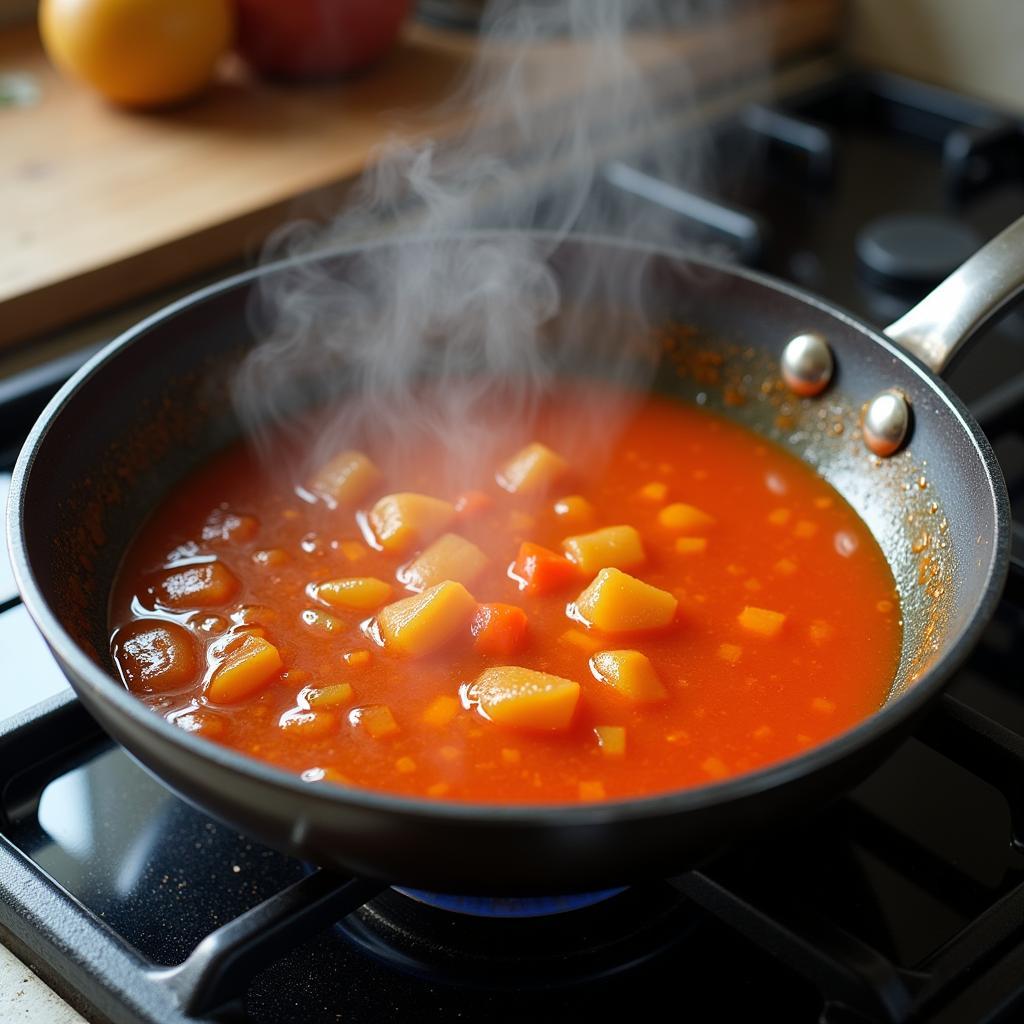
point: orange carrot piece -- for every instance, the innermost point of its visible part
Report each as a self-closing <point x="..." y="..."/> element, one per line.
<point x="499" y="628"/>
<point x="541" y="571"/>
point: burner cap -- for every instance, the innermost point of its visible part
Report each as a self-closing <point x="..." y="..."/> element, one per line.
<point x="914" y="250"/>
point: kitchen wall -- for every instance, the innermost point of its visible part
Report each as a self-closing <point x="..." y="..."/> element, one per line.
<point x="975" y="46"/>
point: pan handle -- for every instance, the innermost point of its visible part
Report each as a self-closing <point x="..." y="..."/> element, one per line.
<point x="948" y="316"/>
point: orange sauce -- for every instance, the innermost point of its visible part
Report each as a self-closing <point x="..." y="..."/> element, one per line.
<point x="787" y="630"/>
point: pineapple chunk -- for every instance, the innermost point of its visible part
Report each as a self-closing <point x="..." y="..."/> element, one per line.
<point x="684" y="518"/>
<point x="761" y="621"/>
<point x="247" y="668"/>
<point x="619" y="603"/>
<point x="345" y="479"/>
<point x="617" y="547"/>
<point x="399" y="520"/>
<point x="532" y="470"/>
<point x="421" y="624"/>
<point x="360" y="593"/>
<point x="524" y="699"/>
<point x="631" y="674"/>
<point x="611" y="739"/>
<point x="197" y="586"/>
<point x="450" y="557"/>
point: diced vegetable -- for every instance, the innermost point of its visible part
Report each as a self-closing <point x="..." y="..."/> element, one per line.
<point x="400" y="520"/>
<point x="440" y="711"/>
<point x="472" y="504"/>
<point x="617" y="547"/>
<point x="532" y="470"/>
<point x="499" y="629"/>
<point x="592" y="790"/>
<point x="730" y="653"/>
<point x="271" y="558"/>
<point x="421" y="624"/>
<point x="524" y="699"/>
<point x="618" y="603"/>
<point x="574" y="511"/>
<point x="360" y="593"/>
<point x="684" y="518"/>
<point x="611" y="739"/>
<point x="541" y="571"/>
<point x="629" y="673"/>
<point x="248" y="666"/>
<point x="450" y="557"/>
<point x="155" y="655"/>
<point x="197" y="586"/>
<point x="308" y="725"/>
<point x="405" y="766"/>
<point x="691" y="545"/>
<point x="779" y="516"/>
<point x="510" y="755"/>
<point x="227" y="526"/>
<point x="761" y="621"/>
<point x="320" y="621"/>
<point x="334" y="695"/>
<point x="655" y="491"/>
<point x="345" y="479"/>
<point x="584" y="641"/>
<point x="376" y="720"/>
<point x="357" y="659"/>
<point x="353" y="550"/>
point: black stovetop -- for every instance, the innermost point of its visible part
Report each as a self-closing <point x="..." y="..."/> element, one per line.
<point x="902" y="901"/>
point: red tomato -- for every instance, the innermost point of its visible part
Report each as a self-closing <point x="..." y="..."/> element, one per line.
<point x="316" y="38"/>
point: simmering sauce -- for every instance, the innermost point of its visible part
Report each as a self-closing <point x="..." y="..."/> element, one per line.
<point x="694" y="605"/>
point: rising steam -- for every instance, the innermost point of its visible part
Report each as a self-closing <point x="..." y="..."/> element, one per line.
<point x="556" y="86"/>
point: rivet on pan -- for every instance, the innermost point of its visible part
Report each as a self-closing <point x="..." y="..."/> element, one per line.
<point x="886" y="422"/>
<point x="807" y="364"/>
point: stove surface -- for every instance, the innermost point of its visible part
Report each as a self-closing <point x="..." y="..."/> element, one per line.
<point x="903" y="900"/>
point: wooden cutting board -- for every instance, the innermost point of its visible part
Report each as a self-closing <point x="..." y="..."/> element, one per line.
<point x="101" y="205"/>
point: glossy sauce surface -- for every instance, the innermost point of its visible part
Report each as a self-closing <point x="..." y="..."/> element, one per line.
<point x="742" y="688"/>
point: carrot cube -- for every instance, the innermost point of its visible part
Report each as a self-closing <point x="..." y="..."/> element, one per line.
<point x="440" y="711"/>
<point x="359" y="593"/>
<point x="761" y="621"/>
<point x="197" y="586"/>
<point x="619" y="603"/>
<point x="400" y="520"/>
<point x="532" y="470"/>
<point x="420" y="625"/>
<point x="617" y="547"/>
<point x="450" y="557"/>
<point x="524" y="699"/>
<point x="541" y="571"/>
<point x="247" y="668"/>
<point x="376" y="719"/>
<point x="684" y="518"/>
<point x="611" y="739"/>
<point x="499" y="629"/>
<point x="345" y="479"/>
<point x="630" y="674"/>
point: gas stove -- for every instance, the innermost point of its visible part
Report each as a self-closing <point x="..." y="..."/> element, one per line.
<point x="903" y="900"/>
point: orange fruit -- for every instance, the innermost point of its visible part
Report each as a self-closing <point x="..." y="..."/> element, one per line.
<point x="139" y="53"/>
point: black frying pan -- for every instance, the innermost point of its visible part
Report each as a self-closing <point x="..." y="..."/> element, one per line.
<point x="151" y="405"/>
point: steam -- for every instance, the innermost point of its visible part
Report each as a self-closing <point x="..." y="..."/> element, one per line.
<point x="459" y="333"/>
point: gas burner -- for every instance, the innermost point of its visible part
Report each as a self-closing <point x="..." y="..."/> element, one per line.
<point x="558" y="950"/>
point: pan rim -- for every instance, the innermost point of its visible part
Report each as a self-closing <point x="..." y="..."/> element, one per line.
<point x="104" y="687"/>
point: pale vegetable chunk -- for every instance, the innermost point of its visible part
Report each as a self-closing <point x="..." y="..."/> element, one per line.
<point x="400" y="520"/>
<point x="532" y="470"/>
<point x="376" y="720"/>
<point x="617" y="547"/>
<point x="574" y="511"/>
<point x="524" y="699"/>
<point x="631" y="674"/>
<point x="345" y="479"/>
<point x="450" y="557"/>
<point x="360" y="593"/>
<point x="419" y="625"/>
<point x="761" y="621"/>
<point x="684" y="518"/>
<point x="246" y="669"/>
<point x="618" y="603"/>
<point x="611" y="739"/>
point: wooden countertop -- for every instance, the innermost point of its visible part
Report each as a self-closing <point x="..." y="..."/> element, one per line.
<point x="101" y="205"/>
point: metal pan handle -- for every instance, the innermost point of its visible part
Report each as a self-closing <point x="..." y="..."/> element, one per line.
<point x="948" y="317"/>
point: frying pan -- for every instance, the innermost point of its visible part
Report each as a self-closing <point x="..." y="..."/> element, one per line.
<point x="153" y="404"/>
